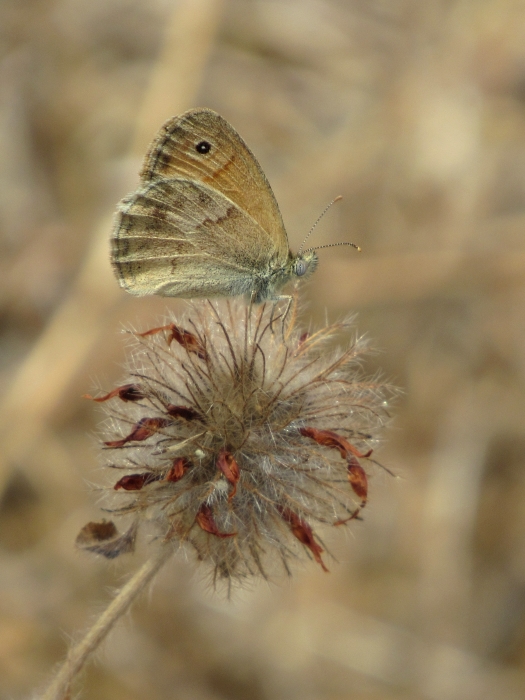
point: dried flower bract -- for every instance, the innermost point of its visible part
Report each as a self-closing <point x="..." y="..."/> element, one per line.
<point x="241" y="436"/>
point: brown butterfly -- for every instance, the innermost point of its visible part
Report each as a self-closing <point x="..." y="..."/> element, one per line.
<point x="204" y="221"/>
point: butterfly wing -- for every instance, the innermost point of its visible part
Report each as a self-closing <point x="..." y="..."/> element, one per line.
<point x="181" y="238"/>
<point x="228" y="167"/>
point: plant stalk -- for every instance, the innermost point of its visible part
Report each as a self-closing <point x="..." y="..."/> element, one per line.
<point x="60" y="686"/>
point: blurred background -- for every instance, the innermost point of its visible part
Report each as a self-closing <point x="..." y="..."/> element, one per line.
<point x="414" y="112"/>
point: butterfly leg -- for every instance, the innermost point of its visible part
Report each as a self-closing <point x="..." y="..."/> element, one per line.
<point x="250" y="309"/>
<point x="281" y="297"/>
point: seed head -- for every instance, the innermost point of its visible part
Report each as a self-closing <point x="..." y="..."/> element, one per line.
<point x="240" y="436"/>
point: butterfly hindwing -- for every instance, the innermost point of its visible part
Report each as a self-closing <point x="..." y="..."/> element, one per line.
<point x="178" y="237"/>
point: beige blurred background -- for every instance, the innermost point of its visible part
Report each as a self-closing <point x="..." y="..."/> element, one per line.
<point x="414" y="111"/>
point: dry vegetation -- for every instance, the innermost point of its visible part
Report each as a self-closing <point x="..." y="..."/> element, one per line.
<point x="413" y="111"/>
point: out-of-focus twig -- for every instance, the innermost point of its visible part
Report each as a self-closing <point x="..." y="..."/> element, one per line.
<point x="394" y="656"/>
<point x="403" y="277"/>
<point x="176" y="77"/>
<point x="45" y="373"/>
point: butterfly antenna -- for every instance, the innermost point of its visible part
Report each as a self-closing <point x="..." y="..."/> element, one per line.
<point x="332" y="245"/>
<point x="339" y="197"/>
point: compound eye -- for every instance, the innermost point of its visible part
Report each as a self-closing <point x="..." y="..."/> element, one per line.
<point x="300" y="268"/>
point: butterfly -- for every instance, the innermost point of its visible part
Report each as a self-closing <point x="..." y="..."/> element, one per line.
<point x="204" y="221"/>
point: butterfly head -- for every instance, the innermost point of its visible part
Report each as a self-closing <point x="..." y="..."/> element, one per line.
<point x="304" y="264"/>
<point x="268" y="285"/>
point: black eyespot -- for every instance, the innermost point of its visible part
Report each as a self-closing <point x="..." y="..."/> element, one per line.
<point x="203" y="147"/>
<point x="300" y="268"/>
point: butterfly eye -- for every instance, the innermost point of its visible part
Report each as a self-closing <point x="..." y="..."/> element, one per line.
<point x="300" y="268"/>
<point x="203" y="147"/>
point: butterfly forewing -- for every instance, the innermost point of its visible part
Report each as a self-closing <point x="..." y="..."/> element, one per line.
<point x="229" y="167"/>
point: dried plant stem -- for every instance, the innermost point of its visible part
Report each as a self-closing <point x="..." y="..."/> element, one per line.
<point x="60" y="687"/>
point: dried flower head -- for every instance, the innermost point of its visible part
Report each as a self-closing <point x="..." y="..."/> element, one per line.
<point x="238" y="434"/>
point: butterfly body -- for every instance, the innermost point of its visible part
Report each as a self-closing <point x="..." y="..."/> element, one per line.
<point x="204" y="221"/>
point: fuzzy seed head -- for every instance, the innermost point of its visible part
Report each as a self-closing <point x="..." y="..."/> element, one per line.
<point x="240" y="436"/>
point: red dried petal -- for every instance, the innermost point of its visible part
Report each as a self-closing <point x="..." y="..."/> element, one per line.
<point x="145" y="428"/>
<point x="127" y="392"/>
<point x="358" y="480"/>
<point x="228" y="466"/>
<point x="97" y="532"/>
<point x="354" y="516"/>
<point x="304" y="534"/>
<point x="178" y="469"/>
<point x="181" y="412"/>
<point x="154" y="331"/>
<point x="302" y="340"/>
<point x="206" y="521"/>
<point x="327" y="438"/>
<point x="134" y="482"/>
<point x="360" y="455"/>
<point x="188" y="340"/>
<point x="103" y="538"/>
